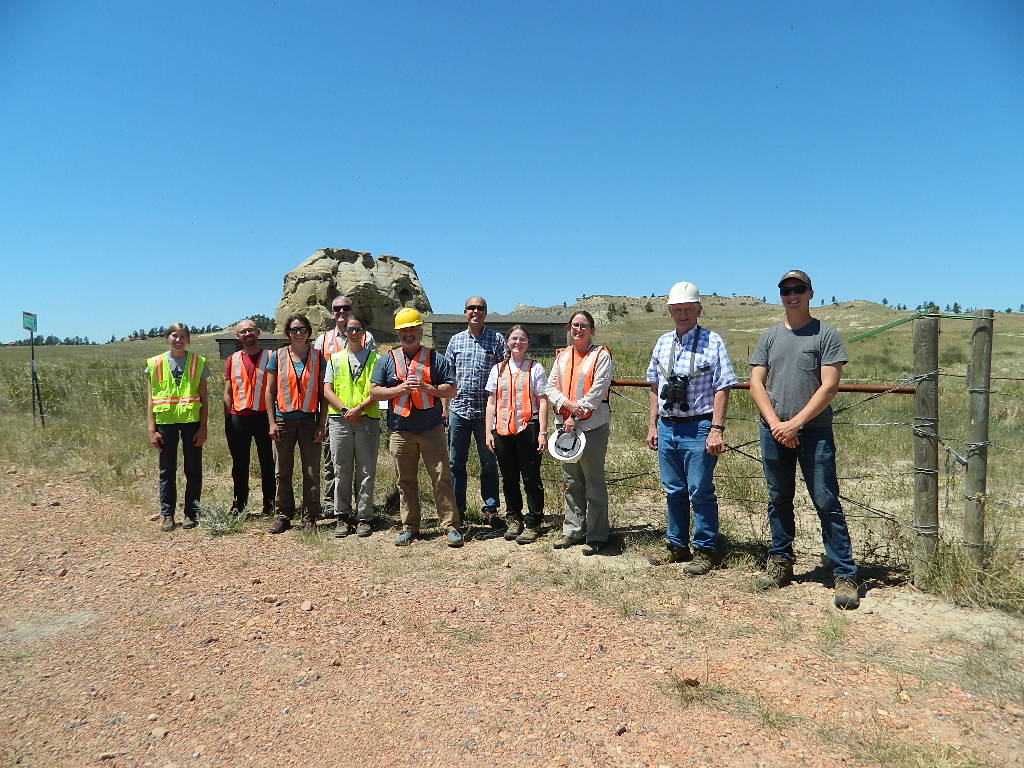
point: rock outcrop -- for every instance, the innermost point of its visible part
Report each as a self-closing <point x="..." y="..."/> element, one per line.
<point x="377" y="288"/>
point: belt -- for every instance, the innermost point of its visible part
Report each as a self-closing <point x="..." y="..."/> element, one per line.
<point x="685" y="419"/>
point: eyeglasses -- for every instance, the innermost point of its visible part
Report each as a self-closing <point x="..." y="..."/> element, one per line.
<point x="242" y="331"/>
<point x="580" y="327"/>
<point x="478" y="307"/>
<point x="354" y="330"/>
<point x="298" y="329"/>
<point x="342" y="307"/>
<point x="799" y="290"/>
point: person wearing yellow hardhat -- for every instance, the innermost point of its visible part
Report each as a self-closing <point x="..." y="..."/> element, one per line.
<point x="414" y="379"/>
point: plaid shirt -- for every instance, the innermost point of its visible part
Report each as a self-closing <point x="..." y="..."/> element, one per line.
<point x="473" y="359"/>
<point x="704" y="383"/>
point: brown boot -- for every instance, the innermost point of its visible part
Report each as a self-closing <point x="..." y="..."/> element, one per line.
<point x="529" y="535"/>
<point x="701" y="563"/>
<point x="672" y="554"/>
<point x="778" y="572"/>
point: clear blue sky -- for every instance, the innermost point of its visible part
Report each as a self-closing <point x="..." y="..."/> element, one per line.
<point x="171" y="161"/>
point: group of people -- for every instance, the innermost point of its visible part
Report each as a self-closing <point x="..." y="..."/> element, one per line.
<point x="486" y="389"/>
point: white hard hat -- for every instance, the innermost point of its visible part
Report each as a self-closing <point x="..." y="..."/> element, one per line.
<point x="683" y="293"/>
<point x="567" y="447"/>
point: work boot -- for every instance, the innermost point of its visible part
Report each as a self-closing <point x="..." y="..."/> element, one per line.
<point x="529" y="535"/>
<point x="190" y="521"/>
<point x="778" y="572"/>
<point x="847" y="594"/>
<point x="701" y="563"/>
<point x="515" y="527"/>
<point x="167" y="524"/>
<point x="567" y="541"/>
<point x="342" y="528"/>
<point x="592" y="547"/>
<point x="364" y="529"/>
<point x="280" y="524"/>
<point x="492" y="518"/>
<point x="672" y="554"/>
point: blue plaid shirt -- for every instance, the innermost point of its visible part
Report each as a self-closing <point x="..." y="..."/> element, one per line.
<point x="711" y="354"/>
<point x="473" y="359"/>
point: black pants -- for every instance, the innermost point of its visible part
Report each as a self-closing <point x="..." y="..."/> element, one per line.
<point x="193" y="459"/>
<point x="518" y="457"/>
<point x="240" y="432"/>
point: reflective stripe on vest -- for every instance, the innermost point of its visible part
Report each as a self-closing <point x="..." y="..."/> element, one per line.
<point x="418" y="366"/>
<point x="333" y="342"/>
<point x="175" y="402"/>
<point x="244" y="386"/>
<point x="513" y="400"/>
<point x="576" y="379"/>
<point x="352" y="393"/>
<point x="294" y="393"/>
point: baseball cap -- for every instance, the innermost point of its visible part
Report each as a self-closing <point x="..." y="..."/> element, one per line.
<point x="796" y="274"/>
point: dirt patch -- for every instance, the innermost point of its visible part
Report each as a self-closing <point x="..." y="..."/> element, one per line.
<point x="296" y="650"/>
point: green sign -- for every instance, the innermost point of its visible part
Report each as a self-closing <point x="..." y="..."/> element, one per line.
<point x="28" y="321"/>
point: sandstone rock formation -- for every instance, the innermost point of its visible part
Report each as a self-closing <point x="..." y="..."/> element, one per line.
<point x="377" y="288"/>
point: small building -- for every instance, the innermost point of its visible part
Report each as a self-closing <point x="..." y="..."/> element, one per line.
<point x="547" y="332"/>
<point x="227" y="344"/>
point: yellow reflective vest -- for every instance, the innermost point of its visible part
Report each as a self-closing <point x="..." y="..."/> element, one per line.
<point x="175" y="403"/>
<point x="352" y="392"/>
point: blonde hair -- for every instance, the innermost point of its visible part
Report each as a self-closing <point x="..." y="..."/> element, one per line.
<point x="178" y="328"/>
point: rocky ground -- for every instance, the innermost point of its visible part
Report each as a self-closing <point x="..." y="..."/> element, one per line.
<point x="122" y="646"/>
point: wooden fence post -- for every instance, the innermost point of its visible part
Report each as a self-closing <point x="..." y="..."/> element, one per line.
<point x="975" y="482"/>
<point x="926" y="443"/>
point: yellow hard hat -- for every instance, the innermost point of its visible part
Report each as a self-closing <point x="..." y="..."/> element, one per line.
<point x="407" y="317"/>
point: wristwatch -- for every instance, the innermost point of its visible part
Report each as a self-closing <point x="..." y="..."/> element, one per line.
<point x="718" y="426"/>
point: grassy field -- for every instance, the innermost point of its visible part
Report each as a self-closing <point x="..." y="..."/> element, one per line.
<point x="95" y="427"/>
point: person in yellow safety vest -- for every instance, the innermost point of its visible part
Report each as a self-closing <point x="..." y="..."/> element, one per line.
<point x="353" y="429"/>
<point x="296" y="416"/>
<point x="517" y="425"/>
<point x="578" y="393"/>
<point x="331" y="341"/>
<point x="415" y="378"/>
<point x="177" y="410"/>
<point x="245" y="416"/>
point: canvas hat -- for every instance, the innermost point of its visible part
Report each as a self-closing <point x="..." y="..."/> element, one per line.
<point x="683" y="293"/>
<point x="796" y="274"/>
<point x="567" y="447"/>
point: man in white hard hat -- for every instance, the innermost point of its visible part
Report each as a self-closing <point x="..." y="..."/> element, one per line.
<point x="414" y="379"/>
<point x="329" y="342"/>
<point x="690" y="376"/>
<point x="794" y="375"/>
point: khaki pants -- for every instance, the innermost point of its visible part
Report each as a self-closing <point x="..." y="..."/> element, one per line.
<point x="407" y="448"/>
<point x="298" y="432"/>
<point x="586" y="494"/>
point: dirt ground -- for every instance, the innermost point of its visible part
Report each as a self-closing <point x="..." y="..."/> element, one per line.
<point x="122" y="646"/>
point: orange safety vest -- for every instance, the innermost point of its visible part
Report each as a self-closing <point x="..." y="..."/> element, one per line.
<point x="248" y="390"/>
<point x="576" y="379"/>
<point x="294" y="393"/>
<point x="333" y="342"/>
<point x="513" y="400"/>
<point x="418" y="366"/>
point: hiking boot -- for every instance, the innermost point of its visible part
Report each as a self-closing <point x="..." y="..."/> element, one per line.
<point x="309" y="526"/>
<point x="515" y="527"/>
<point x="189" y="522"/>
<point x="342" y="528"/>
<point x="328" y="512"/>
<point x="363" y="529"/>
<point x="167" y="524"/>
<point x="405" y="538"/>
<point x="529" y="535"/>
<point x="492" y="518"/>
<point x="847" y="594"/>
<point x="672" y="554"/>
<point x="280" y="524"/>
<point x="778" y="572"/>
<point x="701" y="563"/>
<point x="454" y="538"/>
<point x="592" y="547"/>
<point x="567" y="541"/>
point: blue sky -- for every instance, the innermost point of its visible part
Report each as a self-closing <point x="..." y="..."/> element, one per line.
<point x="171" y="161"/>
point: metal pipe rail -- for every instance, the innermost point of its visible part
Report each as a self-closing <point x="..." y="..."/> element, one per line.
<point x="869" y="388"/>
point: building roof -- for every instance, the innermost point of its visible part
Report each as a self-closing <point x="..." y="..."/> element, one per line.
<point x="495" y="319"/>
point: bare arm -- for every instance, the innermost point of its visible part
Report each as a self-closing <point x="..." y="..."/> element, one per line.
<point x="204" y="413"/>
<point x="227" y="395"/>
<point x="820" y="400"/>
<point x="652" y="417"/>
<point x="154" y="437"/>
<point x="715" y="444"/>
<point x="268" y="402"/>
<point x="489" y="422"/>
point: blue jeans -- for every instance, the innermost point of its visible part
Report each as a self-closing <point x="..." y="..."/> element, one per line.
<point x="816" y="455"/>
<point x="459" y="432"/>
<point x="686" y="470"/>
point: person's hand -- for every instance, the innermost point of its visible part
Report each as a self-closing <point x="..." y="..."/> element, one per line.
<point x="156" y="440"/>
<point x="489" y="440"/>
<point x="715" y="444"/>
<point x="785" y="432"/>
<point x="318" y="433"/>
<point x="353" y="415"/>
<point x="569" y="425"/>
<point x="275" y="432"/>
<point x="200" y="437"/>
<point x="542" y="442"/>
<point x="652" y="437"/>
<point x="575" y="408"/>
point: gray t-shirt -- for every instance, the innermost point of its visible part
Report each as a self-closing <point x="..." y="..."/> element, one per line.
<point x="794" y="360"/>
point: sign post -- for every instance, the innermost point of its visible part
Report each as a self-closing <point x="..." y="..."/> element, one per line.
<point x="30" y="322"/>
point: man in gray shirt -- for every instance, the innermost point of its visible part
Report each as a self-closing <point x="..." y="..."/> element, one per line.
<point x="795" y="373"/>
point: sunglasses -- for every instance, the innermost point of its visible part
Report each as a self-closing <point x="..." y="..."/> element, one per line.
<point x="799" y="290"/>
<point x="246" y="330"/>
<point x="341" y="308"/>
<point x="478" y="307"/>
<point x="298" y="329"/>
<point x="354" y="330"/>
